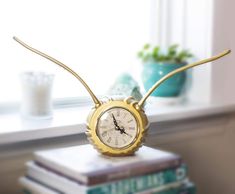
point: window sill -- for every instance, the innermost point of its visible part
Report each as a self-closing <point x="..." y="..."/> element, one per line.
<point x="71" y="121"/>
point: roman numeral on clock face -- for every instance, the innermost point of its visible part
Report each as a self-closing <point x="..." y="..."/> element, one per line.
<point x="104" y="134"/>
<point x="109" y="139"/>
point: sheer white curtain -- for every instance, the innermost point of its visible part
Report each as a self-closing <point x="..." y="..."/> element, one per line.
<point x="188" y="23"/>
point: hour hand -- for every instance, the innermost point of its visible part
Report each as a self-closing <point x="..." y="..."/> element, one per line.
<point x="122" y="130"/>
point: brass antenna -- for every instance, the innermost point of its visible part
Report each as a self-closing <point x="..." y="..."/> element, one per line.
<point x="94" y="98"/>
<point x="159" y="82"/>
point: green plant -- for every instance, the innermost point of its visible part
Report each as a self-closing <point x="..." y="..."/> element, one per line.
<point x="172" y="55"/>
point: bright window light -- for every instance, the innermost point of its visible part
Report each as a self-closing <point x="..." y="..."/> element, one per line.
<point x="98" y="39"/>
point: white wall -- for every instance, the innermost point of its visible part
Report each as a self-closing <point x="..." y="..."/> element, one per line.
<point x="223" y="72"/>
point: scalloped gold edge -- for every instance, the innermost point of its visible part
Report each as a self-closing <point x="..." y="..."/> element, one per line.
<point x="129" y="105"/>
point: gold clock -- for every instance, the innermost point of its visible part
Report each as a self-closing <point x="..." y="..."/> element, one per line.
<point x="118" y="127"/>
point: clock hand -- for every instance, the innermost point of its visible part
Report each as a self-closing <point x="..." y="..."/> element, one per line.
<point x="116" y="124"/>
<point x="122" y="130"/>
<point x="115" y="121"/>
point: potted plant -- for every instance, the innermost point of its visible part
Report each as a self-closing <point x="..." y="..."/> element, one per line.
<point x="157" y="64"/>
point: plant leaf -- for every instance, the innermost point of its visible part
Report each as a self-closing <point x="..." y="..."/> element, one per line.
<point x="146" y="46"/>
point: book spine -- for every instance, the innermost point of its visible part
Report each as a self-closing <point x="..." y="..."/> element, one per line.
<point x="175" y="191"/>
<point x="189" y="189"/>
<point x="133" y="170"/>
<point x="25" y="191"/>
<point x="141" y="183"/>
<point x="53" y="180"/>
<point x="32" y="186"/>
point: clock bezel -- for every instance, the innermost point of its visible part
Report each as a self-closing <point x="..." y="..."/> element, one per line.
<point x="137" y="127"/>
<point x="130" y="106"/>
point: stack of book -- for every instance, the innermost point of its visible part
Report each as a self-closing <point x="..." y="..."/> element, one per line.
<point x="81" y="170"/>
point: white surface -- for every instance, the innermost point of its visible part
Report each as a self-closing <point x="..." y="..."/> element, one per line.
<point x="13" y="128"/>
<point x="222" y="84"/>
<point x="72" y="121"/>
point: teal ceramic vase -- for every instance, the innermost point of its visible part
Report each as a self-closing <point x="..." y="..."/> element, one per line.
<point x="172" y="87"/>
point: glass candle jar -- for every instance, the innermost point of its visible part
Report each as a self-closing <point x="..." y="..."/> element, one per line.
<point x="36" y="95"/>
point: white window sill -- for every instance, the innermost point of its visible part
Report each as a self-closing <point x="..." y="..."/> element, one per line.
<point x="70" y="121"/>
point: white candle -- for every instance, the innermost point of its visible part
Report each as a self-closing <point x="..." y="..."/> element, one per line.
<point x="36" y="95"/>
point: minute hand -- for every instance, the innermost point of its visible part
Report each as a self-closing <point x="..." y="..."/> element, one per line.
<point x="115" y="121"/>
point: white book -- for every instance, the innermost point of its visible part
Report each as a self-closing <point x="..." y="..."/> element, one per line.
<point x="34" y="187"/>
<point x="53" y="180"/>
<point x="84" y="164"/>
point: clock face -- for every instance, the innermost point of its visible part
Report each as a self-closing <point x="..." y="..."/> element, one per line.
<point x="117" y="128"/>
